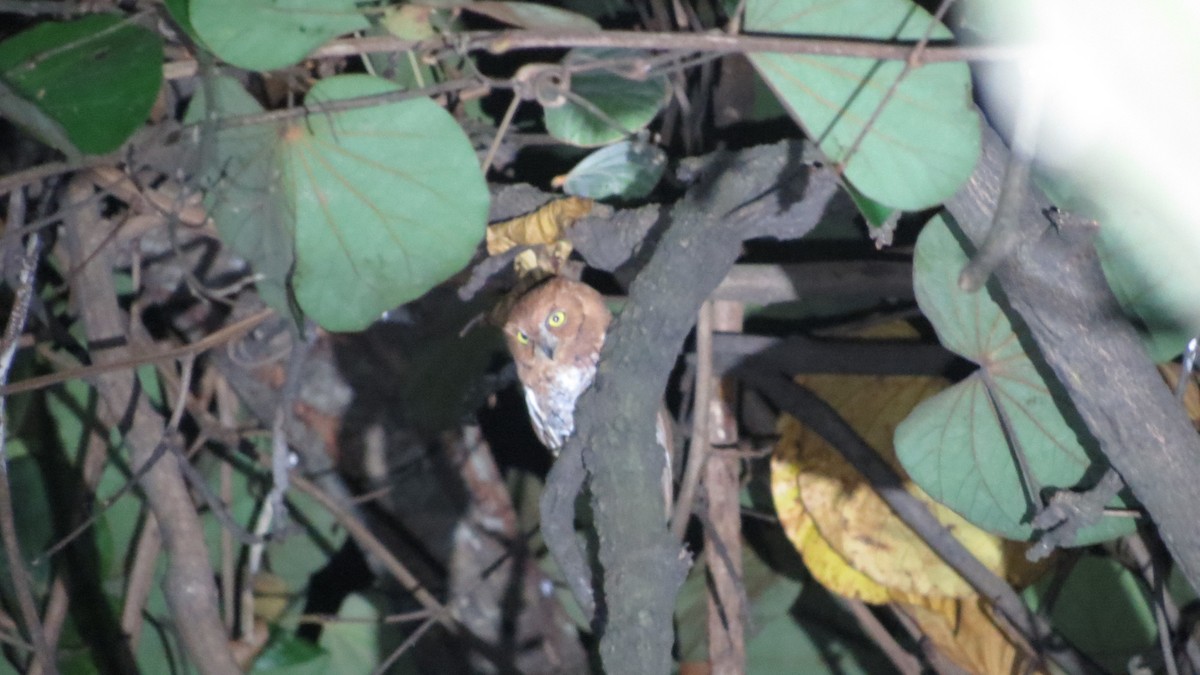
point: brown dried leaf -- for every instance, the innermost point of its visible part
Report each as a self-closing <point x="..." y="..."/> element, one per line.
<point x="546" y="225"/>
<point x="542" y="261"/>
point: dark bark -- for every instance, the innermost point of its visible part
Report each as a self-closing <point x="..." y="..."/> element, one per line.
<point x="760" y="192"/>
<point x="1055" y="283"/>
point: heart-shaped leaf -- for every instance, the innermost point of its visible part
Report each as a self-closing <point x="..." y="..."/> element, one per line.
<point x="624" y="105"/>
<point x="269" y="34"/>
<point x="389" y="201"/>
<point x="627" y="169"/>
<point x="241" y="176"/>
<point x="532" y="16"/>
<point x="94" y="79"/>
<point x="925" y="142"/>
<point x="954" y="445"/>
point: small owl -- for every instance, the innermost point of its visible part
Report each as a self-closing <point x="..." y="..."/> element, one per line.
<point x="555" y="333"/>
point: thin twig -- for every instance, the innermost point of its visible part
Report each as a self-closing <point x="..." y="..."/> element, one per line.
<point x="22" y="582"/>
<point x="91" y="468"/>
<point x="1134" y="551"/>
<point x="905" y="663"/>
<point x="38" y="7"/>
<point x="911" y="63"/>
<point x="161" y="449"/>
<point x="226" y="408"/>
<point x="1029" y="481"/>
<point x="402" y="617"/>
<point x="500" y="131"/>
<point x="216" y="339"/>
<point x="512" y="40"/>
<point x="698" y="450"/>
<point x="340" y="105"/>
<point x="404" y="646"/>
<point x="371" y="544"/>
<point x="280" y="465"/>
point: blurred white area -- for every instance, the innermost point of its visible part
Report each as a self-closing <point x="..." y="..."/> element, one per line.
<point x="1119" y="137"/>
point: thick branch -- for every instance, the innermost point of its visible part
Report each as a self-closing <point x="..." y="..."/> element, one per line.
<point x="189" y="587"/>
<point x="760" y="192"/>
<point x="1054" y="282"/>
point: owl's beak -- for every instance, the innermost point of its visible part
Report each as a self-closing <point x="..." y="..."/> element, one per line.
<point x="548" y="344"/>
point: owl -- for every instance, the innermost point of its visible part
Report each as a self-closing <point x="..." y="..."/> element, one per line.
<point x="555" y="333"/>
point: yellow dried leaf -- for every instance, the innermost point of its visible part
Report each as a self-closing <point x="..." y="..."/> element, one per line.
<point x="271" y="596"/>
<point x="832" y="571"/>
<point x="546" y="225"/>
<point x="852" y="519"/>
<point x="827" y="566"/>
<point x="966" y="633"/>
<point x="542" y="261"/>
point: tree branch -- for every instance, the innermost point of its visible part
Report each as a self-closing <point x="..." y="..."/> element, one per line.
<point x="765" y="191"/>
<point x="1055" y="283"/>
<point x="189" y="587"/>
<point x="22" y="582"/>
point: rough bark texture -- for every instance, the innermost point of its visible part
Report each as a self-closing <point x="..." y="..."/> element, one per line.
<point x="764" y="191"/>
<point x="1055" y="283"/>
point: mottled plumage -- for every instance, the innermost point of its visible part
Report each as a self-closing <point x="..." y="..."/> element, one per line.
<point x="555" y="333"/>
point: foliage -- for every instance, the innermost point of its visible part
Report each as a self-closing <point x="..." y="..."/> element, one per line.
<point x="349" y="184"/>
<point x="954" y="444"/>
<point x="91" y="81"/>
<point x="925" y="140"/>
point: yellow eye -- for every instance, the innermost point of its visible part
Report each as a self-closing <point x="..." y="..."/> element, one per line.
<point x="522" y="338"/>
<point x="556" y="319"/>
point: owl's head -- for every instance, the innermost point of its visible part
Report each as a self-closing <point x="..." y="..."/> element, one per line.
<point x="558" y="323"/>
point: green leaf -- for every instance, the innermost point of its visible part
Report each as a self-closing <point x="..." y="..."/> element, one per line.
<point x="1102" y="609"/>
<point x="356" y="644"/>
<point x="953" y="444"/>
<point x="925" y="142"/>
<point x="532" y="16"/>
<point x="241" y="176"/>
<point x="790" y="629"/>
<point x="269" y="34"/>
<point x="628" y="104"/>
<point x="295" y="557"/>
<point x="178" y="9"/>
<point x="873" y="212"/>
<point x="34" y="518"/>
<point x="96" y="77"/>
<point x="72" y="406"/>
<point x="35" y="121"/>
<point x="291" y="655"/>
<point x="389" y="201"/>
<point x="628" y="170"/>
